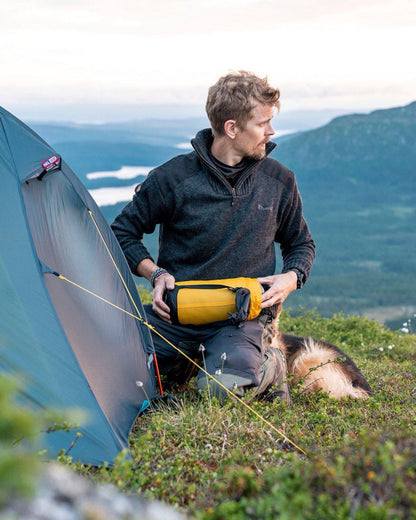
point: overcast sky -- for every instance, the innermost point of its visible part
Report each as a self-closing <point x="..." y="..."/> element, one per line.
<point x="320" y="53"/>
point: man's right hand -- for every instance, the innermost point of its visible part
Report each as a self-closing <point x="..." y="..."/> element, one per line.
<point x="162" y="283"/>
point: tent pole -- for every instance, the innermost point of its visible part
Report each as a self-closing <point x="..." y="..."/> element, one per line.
<point x="157" y="373"/>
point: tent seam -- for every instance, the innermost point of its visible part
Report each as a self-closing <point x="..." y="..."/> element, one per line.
<point x="9" y="147"/>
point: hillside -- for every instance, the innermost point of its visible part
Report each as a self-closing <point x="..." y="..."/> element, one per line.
<point x="357" y="178"/>
<point x="365" y="159"/>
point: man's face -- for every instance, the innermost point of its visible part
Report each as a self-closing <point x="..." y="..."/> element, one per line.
<point x="251" y="140"/>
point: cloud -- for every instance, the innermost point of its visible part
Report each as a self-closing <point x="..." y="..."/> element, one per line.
<point x="109" y="196"/>
<point x="201" y="16"/>
<point x="172" y="50"/>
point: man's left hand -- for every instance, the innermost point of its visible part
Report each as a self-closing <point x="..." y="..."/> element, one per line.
<point x="281" y="285"/>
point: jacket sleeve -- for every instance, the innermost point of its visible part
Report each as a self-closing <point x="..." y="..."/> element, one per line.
<point x="140" y="216"/>
<point x="296" y="244"/>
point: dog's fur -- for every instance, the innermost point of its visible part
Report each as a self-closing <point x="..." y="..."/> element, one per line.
<point x="314" y="363"/>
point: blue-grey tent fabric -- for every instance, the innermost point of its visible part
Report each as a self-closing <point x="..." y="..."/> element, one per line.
<point x="69" y="348"/>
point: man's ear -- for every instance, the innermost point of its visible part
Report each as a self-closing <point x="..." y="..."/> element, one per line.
<point x="230" y="128"/>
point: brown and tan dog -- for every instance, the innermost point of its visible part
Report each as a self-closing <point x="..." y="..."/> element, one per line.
<point x="316" y="363"/>
<point x="313" y="361"/>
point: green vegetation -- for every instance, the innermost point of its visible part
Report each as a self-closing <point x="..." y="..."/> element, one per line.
<point x="18" y="462"/>
<point x="20" y="430"/>
<point x="225" y="463"/>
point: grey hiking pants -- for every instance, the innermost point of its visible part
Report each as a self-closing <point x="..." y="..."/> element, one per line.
<point x="234" y="355"/>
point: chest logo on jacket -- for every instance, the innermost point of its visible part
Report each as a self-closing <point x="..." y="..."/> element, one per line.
<point x="264" y="208"/>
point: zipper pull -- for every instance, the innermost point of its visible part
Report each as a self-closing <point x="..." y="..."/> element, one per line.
<point x="233" y="195"/>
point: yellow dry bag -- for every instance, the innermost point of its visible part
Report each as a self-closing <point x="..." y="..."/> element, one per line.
<point x="199" y="302"/>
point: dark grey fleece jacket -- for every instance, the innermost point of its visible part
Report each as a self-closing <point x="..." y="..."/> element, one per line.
<point x="210" y="230"/>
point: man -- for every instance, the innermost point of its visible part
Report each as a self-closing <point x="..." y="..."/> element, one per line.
<point x="221" y="208"/>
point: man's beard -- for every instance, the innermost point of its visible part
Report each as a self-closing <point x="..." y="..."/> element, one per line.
<point x="256" y="156"/>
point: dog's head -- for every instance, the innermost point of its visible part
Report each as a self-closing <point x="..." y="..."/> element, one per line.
<point x="324" y="366"/>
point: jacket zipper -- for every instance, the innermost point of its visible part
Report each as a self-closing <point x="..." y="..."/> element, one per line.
<point x="220" y="176"/>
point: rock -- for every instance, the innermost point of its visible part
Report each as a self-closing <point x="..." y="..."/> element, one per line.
<point x="63" y="495"/>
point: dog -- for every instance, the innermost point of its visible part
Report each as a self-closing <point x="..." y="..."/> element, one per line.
<point x="317" y="364"/>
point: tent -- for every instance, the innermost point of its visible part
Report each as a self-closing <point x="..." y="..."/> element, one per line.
<point x="64" y="284"/>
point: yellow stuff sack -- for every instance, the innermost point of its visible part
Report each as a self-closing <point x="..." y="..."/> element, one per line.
<point x="200" y="302"/>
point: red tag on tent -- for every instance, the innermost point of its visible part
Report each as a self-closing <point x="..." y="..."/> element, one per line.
<point x="50" y="163"/>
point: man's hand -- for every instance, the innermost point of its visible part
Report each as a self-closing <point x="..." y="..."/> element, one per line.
<point x="281" y="285"/>
<point x="162" y="283"/>
<point x="165" y="281"/>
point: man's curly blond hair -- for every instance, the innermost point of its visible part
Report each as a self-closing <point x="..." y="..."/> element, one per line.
<point x="234" y="96"/>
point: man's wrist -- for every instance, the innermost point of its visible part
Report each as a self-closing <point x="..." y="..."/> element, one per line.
<point x="300" y="277"/>
<point x="155" y="275"/>
<point x="145" y="268"/>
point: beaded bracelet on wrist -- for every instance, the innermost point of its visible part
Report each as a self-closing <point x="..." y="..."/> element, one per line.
<point x="156" y="273"/>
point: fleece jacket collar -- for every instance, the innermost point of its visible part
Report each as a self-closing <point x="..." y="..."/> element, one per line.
<point x="203" y="141"/>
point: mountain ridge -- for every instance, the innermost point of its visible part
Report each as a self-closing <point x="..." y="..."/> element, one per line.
<point x="382" y="142"/>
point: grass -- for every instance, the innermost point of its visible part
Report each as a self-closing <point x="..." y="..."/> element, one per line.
<point x="224" y="463"/>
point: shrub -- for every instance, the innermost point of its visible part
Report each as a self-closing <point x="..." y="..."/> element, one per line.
<point x="18" y="461"/>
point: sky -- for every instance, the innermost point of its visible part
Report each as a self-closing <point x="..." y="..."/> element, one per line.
<point x="75" y="57"/>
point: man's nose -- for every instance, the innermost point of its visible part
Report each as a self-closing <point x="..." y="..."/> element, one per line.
<point x="270" y="130"/>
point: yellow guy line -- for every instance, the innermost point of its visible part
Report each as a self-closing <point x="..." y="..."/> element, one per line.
<point x="228" y="391"/>
<point x="189" y="359"/>
<point x="115" y="265"/>
<point x="100" y="298"/>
